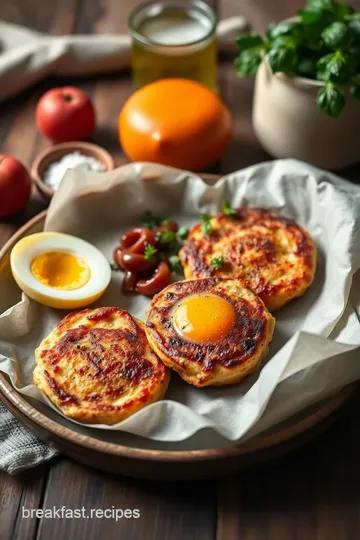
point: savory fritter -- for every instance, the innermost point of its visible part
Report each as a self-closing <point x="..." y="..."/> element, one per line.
<point x="98" y="367"/>
<point x="272" y="254"/>
<point x="211" y="331"/>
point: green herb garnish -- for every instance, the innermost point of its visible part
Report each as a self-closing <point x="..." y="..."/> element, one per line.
<point x="114" y="267"/>
<point x="217" y="262"/>
<point x="183" y="233"/>
<point x="175" y="263"/>
<point x="322" y="44"/>
<point x="150" y="220"/>
<point x="166" y="237"/>
<point x="150" y="253"/>
<point x="228" y="210"/>
<point x="206" y="226"/>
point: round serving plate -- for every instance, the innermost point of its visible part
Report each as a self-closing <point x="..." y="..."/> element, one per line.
<point x="134" y="456"/>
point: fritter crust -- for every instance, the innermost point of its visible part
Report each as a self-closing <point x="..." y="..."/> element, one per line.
<point x="226" y="361"/>
<point x="272" y="254"/>
<point x="98" y="367"/>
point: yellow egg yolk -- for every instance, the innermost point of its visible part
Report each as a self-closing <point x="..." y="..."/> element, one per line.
<point x="60" y="270"/>
<point x="204" y="318"/>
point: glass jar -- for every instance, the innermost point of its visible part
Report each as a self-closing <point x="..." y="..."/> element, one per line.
<point x="174" y="38"/>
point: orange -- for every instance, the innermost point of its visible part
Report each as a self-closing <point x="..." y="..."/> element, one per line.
<point x="176" y="122"/>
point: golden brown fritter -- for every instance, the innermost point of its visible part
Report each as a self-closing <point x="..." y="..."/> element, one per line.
<point x="237" y="354"/>
<point x="272" y="254"/>
<point x="98" y="367"/>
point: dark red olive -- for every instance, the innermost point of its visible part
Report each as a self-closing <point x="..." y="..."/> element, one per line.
<point x="155" y="283"/>
<point x="134" y="262"/>
<point x="168" y="226"/>
<point x="129" y="282"/>
<point x="117" y="257"/>
<point x="136" y="239"/>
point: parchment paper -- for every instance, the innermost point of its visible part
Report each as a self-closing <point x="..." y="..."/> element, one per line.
<point x="316" y="340"/>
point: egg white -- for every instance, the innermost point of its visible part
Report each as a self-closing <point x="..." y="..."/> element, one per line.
<point x="33" y="245"/>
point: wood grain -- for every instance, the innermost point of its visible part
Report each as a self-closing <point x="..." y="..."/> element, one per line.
<point x="172" y="512"/>
<point x="27" y="492"/>
<point x="312" y="494"/>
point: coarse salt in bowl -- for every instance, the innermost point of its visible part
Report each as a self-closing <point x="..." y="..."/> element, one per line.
<point x="51" y="165"/>
<point x="56" y="170"/>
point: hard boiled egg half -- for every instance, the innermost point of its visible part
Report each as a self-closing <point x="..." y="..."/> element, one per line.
<point x="60" y="270"/>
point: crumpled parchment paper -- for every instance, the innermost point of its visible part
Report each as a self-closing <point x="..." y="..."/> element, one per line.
<point x="315" y="348"/>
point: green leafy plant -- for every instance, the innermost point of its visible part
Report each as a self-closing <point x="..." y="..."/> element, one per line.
<point x="322" y="44"/>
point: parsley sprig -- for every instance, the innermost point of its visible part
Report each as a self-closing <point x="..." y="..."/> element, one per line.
<point x="228" y="210"/>
<point x="150" y="253"/>
<point x="167" y="239"/>
<point x="206" y="226"/>
<point x="183" y="233"/>
<point x="322" y="44"/>
<point x="150" y="220"/>
<point x="217" y="262"/>
<point x="175" y="263"/>
<point x="166" y="236"/>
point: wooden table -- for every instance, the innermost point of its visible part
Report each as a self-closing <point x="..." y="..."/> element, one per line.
<point x="312" y="494"/>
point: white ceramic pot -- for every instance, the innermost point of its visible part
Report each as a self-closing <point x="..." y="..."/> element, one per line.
<point x="288" y="123"/>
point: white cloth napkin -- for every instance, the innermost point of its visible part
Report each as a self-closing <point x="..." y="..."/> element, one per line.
<point x="27" y="56"/>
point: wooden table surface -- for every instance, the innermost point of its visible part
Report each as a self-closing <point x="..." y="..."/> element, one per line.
<point x="311" y="494"/>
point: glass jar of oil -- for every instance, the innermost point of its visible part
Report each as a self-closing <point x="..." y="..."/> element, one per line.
<point x="174" y="38"/>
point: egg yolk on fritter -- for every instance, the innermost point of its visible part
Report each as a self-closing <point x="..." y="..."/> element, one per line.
<point x="204" y="318"/>
<point x="60" y="270"/>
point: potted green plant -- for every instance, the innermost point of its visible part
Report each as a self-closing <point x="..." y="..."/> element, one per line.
<point x="307" y="87"/>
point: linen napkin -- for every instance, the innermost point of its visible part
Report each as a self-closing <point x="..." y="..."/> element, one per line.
<point x="26" y="56"/>
<point x="19" y="448"/>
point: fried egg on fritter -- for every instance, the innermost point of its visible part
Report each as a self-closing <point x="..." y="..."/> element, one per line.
<point x="97" y="366"/>
<point x="211" y="331"/>
<point x="272" y="254"/>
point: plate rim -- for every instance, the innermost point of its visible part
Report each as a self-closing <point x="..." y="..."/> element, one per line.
<point x="259" y="443"/>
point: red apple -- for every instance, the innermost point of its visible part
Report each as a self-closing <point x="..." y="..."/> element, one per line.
<point x="65" y="114"/>
<point x="15" y="186"/>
